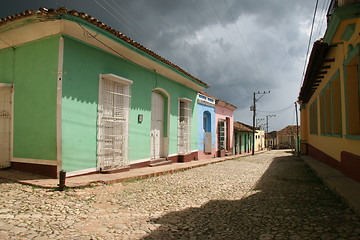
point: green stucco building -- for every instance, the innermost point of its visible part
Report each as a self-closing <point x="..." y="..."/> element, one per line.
<point x="81" y="97"/>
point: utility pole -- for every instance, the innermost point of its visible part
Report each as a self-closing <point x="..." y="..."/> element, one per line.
<point x="253" y="133"/>
<point x="254" y="114"/>
<point x="297" y="131"/>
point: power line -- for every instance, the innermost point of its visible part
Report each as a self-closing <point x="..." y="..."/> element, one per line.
<point x="129" y="16"/>
<point x="219" y="20"/>
<point x="277" y="111"/>
<point x="322" y="17"/>
<point x="117" y="19"/>
<point x="243" y="40"/>
<point x="215" y="38"/>
<point x="307" y="52"/>
<point x="308" y="48"/>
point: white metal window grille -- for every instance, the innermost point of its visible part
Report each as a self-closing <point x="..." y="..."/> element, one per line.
<point x="184" y="127"/>
<point x="5" y="126"/>
<point x="113" y="119"/>
<point x="157" y="125"/>
<point x="221" y="135"/>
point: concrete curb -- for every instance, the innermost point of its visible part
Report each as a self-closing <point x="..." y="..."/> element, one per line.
<point x="347" y="189"/>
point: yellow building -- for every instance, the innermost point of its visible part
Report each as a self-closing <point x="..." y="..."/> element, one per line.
<point x="259" y="140"/>
<point x="329" y="97"/>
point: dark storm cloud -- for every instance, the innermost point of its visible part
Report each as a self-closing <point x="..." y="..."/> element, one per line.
<point x="236" y="46"/>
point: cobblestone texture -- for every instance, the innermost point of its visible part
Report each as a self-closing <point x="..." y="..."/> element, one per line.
<point x="267" y="196"/>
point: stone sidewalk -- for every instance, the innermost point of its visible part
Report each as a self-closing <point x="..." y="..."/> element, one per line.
<point x="346" y="188"/>
<point x="88" y="180"/>
<point x="341" y="185"/>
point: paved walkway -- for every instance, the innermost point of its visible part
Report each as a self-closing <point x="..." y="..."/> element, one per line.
<point x="273" y="195"/>
<point x="346" y="188"/>
<point x="88" y="180"/>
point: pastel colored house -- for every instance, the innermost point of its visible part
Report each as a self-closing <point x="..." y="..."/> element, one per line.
<point x="330" y="94"/>
<point x="271" y="141"/>
<point x="242" y="138"/>
<point x="79" y="96"/>
<point x="259" y="140"/>
<point x="286" y="137"/>
<point x="206" y="126"/>
<point x="225" y="127"/>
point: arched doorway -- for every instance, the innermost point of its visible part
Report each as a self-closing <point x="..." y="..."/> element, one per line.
<point x="159" y="126"/>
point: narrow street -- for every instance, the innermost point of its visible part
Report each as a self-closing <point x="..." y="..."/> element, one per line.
<point x="273" y="195"/>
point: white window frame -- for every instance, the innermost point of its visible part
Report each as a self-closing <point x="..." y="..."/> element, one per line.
<point x="184" y="145"/>
<point x="125" y="82"/>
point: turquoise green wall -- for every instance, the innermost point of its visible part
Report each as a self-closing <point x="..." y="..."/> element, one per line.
<point x="82" y="66"/>
<point x="32" y="68"/>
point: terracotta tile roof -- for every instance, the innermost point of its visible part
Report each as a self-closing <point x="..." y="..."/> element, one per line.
<point x="314" y="71"/>
<point x="44" y="12"/>
<point x="271" y="134"/>
<point x="242" y="127"/>
<point x="288" y="131"/>
<point x="217" y="100"/>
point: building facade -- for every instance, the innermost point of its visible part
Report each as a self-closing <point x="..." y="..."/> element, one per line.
<point x="225" y="125"/>
<point x="79" y="96"/>
<point x="206" y="126"/>
<point x="271" y="142"/>
<point x="329" y="97"/>
<point x="259" y="140"/>
<point x="286" y="138"/>
<point x="242" y="138"/>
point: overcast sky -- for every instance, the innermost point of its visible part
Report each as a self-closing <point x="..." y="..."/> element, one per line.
<point x="236" y="46"/>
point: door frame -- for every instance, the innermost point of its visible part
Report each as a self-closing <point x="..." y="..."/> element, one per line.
<point x="166" y="133"/>
<point x="11" y="145"/>
<point x="122" y="80"/>
<point x="189" y="102"/>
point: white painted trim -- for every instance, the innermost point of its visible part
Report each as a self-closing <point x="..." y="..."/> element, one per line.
<point x="185" y="99"/>
<point x="165" y="152"/>
<point x="98" y="123"/>
<point x="201" y="101"/>
<point x="116" y="78"/>
<point x="59" y="106"/>
<point x="12" y="123"/>
<point x="35" y="161"/>
<point x="127" y="83"/>
<point x="80" y="172"/>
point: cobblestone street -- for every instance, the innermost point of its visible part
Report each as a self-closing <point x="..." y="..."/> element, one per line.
<point x="267" y="196"/>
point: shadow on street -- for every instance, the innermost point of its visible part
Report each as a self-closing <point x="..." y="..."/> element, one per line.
<point x="288" y="202"/>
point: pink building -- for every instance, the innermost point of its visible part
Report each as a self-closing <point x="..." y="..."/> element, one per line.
<point x="225" y="127"/>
